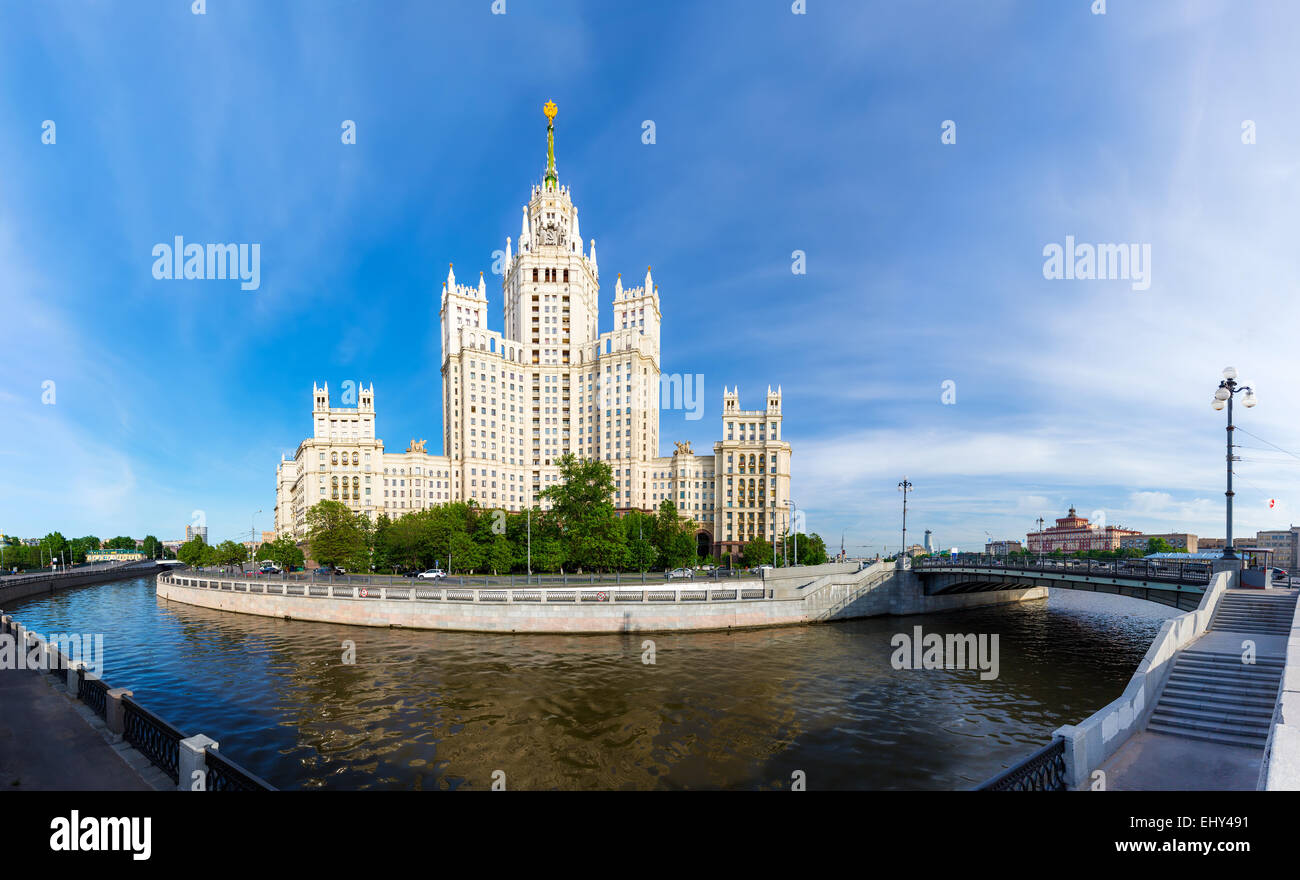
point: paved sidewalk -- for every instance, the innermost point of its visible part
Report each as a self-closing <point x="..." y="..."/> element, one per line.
<point x="48" y="744"/>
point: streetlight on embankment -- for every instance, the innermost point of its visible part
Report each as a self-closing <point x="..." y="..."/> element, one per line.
<point x="1228" y="389"/>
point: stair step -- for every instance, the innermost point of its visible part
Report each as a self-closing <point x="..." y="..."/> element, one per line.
<point x="1231" y="727"/>
<point x="1225" y="715"/>
<point x="1187" y="703"/>
<point x="1220" y="694"/>
<point x="1256" y="742"/>
<point x="1232" y="661"/>
<point x="1255" y="682"/>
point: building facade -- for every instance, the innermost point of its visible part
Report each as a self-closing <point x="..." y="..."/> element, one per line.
<point x="1182" y="542"/>
<point x="549" y="383"/>
<point x="1001" y="548"/>
<point x="1285" y="544"/>
<point x="1073" y="533"/>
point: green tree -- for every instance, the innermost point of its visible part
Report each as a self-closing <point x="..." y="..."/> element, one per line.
<point x="1159" y="545"/>
<point x="121" y="542"/>
<point x="758" y="551"/>
<point x="230" y="552"/>
<point x="283" y="552"/>
<point x="638" y="536"/>
<point x="152" y="548"/>
<point x="337" y="536"/>
<point x="466" y="554"/>
<point x="500" y="556"/>
<point x="191" y="552"/>
<point x="674" y="538"/>
<point x="582" y="510"/>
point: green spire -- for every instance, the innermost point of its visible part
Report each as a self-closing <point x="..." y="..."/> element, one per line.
<point x="552" y="179"/>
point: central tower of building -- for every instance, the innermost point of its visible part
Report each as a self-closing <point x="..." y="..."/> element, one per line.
<point x="551" y="383"/>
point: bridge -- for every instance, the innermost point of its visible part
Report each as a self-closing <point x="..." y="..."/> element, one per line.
<point x="1214" y="704"/>
<point x="1180" y="585"/>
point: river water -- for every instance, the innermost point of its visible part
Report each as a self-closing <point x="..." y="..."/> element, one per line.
<point x="750" y="709"/>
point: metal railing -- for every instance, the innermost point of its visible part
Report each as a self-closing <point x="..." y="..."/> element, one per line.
<point x="434" y="591"/>
<point x="94" y="693"/>
<point x="493" y="580"/>
<point x="157" y="740"/>
<point x="1044" y="770"/>
<point x="1141" y="569"/>
<point x="46" y="573"/>
<point x="223" y="775"/>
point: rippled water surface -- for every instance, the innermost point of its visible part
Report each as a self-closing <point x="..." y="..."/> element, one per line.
<point x="423" y="710"/>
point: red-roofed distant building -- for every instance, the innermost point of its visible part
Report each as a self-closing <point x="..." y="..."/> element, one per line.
<point x="1074" y="532"/>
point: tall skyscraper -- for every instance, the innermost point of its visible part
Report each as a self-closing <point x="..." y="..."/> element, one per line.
<point x="549" y="383"/>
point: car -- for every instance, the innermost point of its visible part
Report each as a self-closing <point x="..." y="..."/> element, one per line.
<point x="759" y="569"/>
<point x="1280" y="573"/>
<point x="681" y="573"/>
<point x="432" y="574"/>
<point x="269" y="567"/>
<point x="329" y="569"/>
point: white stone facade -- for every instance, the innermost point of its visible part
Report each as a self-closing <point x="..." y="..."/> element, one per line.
<point x="514" y="402"/>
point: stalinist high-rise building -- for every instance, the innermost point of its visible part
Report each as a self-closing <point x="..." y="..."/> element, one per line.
<point x="548" y="383"/>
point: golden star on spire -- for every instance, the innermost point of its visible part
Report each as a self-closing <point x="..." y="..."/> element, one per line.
<point x="550" y="110"/>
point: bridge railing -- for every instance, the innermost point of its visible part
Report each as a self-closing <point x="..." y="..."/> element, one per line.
<point x="1144" y="569"/>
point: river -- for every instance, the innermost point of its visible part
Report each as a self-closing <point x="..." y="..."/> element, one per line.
<point x="749" y="709"/>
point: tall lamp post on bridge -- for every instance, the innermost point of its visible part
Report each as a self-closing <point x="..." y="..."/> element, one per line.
<point x="1227" y="389"/>
<point x="904" y="487"/>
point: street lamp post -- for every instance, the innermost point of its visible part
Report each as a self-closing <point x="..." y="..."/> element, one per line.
<point x="795" y="514"/>
<point x="1223" y="395"/>
<point x="904" y="487"/>
<point x="252" y="537"/>
<point x="1040" y="541"/>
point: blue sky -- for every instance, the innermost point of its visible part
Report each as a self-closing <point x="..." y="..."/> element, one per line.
<point x="775" y="132"/>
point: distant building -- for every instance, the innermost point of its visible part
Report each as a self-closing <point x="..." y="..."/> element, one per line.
<point x="1285" y="544"/>
<point x="916" y="550"/>
<point x="1180" y="541"/>
<point x="929" y="541"/>
<point x="1002" y="548"/>
<point x="113" y="555"/>
<point x="269" y="536"/>
<point x="1210" y="543"/>
<point x="1073" y="532"/>
<point x="192" y="532"/>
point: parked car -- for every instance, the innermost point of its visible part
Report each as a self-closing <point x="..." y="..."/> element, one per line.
<point x="681" y="573"/>
<point x="1280" y="574"/>
<point x="432" y="574"/>
<point x="269" y="567"/>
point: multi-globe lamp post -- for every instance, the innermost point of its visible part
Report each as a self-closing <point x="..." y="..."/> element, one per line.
<point x="1228" y="389"/>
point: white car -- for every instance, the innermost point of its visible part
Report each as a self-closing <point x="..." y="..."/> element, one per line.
<point x="681" y="573"/>
<point x="431" y="574"/>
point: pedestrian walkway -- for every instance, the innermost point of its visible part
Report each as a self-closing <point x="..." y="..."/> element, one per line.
<point x="1211" y="722"/>
<point x="48" y="744"/>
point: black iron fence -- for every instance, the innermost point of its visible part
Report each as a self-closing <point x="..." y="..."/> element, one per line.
<point x="1142" y="569"/>
<point x="1044" y="770"/>
<point x="155" y="738"/>
<point x="226" y="775"/>
<point x="677" y="576"/>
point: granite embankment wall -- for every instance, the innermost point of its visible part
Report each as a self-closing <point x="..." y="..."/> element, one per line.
<point x="17" y="586"/>
<point x="782" y="598"/>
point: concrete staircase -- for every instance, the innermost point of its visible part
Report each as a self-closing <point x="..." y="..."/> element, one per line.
<point x="1255" y="611"/>
<point x="1211" y="694"/>
<point x="1216" y="697"/>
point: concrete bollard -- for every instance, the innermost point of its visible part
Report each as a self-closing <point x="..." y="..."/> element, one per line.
<point x="74" y="677"/>
<point x="113" y="712"/>
<point x="193" y="766"/>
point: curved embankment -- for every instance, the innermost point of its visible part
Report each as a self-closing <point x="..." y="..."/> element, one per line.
<point x="787" y="597"/>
